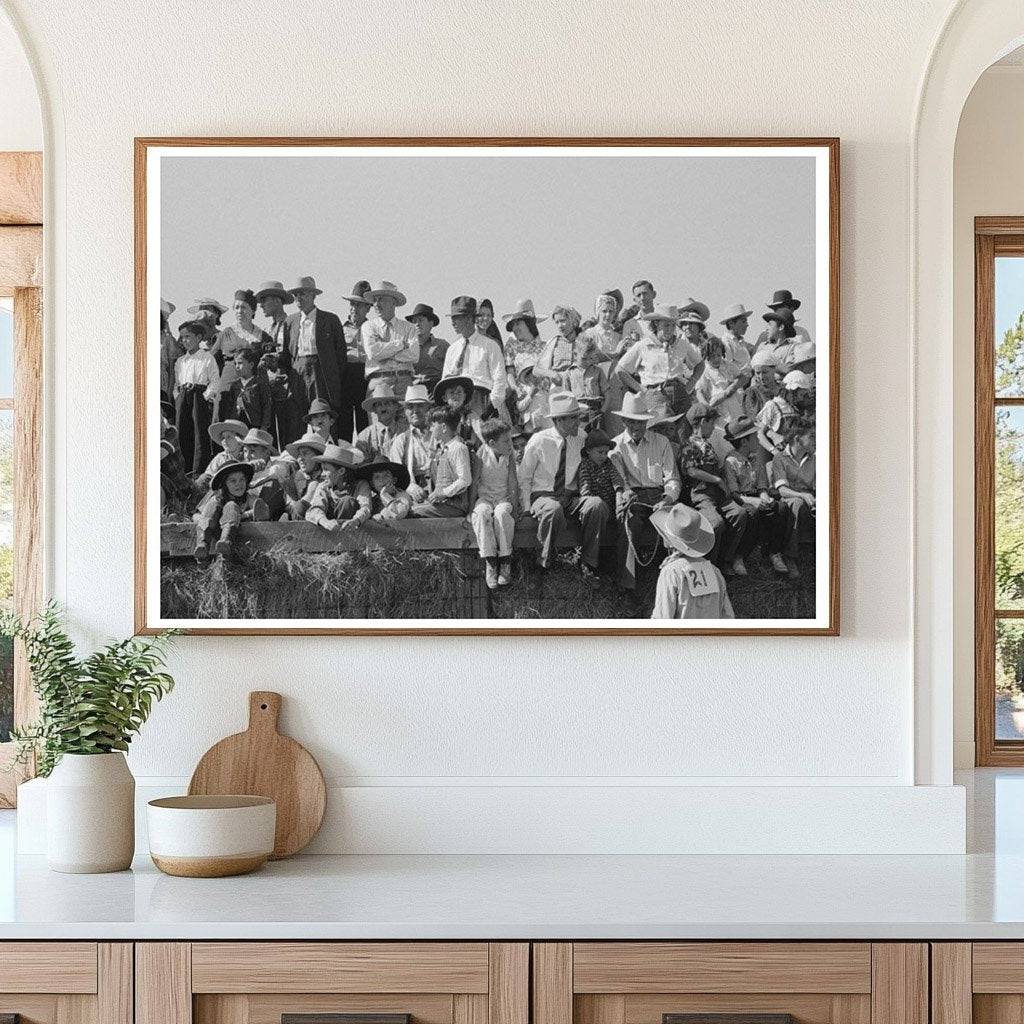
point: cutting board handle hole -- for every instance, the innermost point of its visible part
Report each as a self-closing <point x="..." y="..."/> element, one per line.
<point x="263" y="707"/>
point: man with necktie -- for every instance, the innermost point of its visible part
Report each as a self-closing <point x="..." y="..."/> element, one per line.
<point x="272" y="299"/>
<point x="549" y="486"/>
<point x="391" y="345"/>
<point x="475" y="355"/>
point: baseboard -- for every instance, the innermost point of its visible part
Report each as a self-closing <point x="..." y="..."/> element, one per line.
<point x="600" y="819"/>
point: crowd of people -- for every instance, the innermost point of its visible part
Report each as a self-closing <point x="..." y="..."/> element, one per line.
<point x="642" y="414"/>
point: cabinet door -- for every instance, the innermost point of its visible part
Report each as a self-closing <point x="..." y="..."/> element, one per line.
<point x="980" y="982"/>
<point x="736" y="982"/>
<point x="332" y="983"/>
<point x="66" y="982"/>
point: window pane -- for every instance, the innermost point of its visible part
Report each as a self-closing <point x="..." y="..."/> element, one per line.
<point x="1009" y="511"/>
<point x="6" y="567"/>
<point x="1009" y="324"/>
<point x="1009" y="679"/>
<point x="6" y="350"/>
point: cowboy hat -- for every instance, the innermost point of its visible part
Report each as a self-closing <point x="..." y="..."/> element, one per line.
<point x="524" y="309"/>
<point x="797" y="379"/>
<point x="634" y="407"/>
<point x="387" y="288"/>
<point x="463" y="305"/>
<point x="662" y="313"/>
<point x="742" y="426"/>
<point x="308" y="440"/>
<point x="422" y="309"/>
<point x="257" y="436"/>
<point x="274" y="289"/>
<point x="218" y="430"/>
<point x="783" y="297"/>
<point x="360" y="293"/>
<point x="343" y="455"/>
<point x="696" y="306"/>
<point x="561" y="403"/>
<point x="616" y="294"/>
<point x="246" y="468"/>
<point x="597" y="438"/>
<point x="763" y="359"/>
<point x="444" y="385"/>
<point x="784" y="317"/>
<point x="416" y="394"/>
<point x="396" y="469"/>
<point x="379" y="391"/>
<point x="198" y="305"/>
<point x="691" y="316"/>
<point x="167" y="308"/>
<point x="684" y="529"/>
<point x="737" y="309"/>
<point x="317" y="407"/>
<point x="306" y="284"/>
<point x="666" y="417"/>
<point x="803" y="352"/>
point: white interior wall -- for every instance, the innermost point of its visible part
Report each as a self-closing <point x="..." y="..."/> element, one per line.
<point x="21" y="126"/>
<point x="988" y="181"/>
<point x="434" y="716"/>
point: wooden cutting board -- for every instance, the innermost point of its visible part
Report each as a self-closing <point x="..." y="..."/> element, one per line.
<point x="262" y="762"/>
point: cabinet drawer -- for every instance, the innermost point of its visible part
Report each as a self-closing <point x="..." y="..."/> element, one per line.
<point x="48" y="967"/>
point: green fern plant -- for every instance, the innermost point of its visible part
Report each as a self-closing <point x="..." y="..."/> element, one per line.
<point x="91" y="705"/>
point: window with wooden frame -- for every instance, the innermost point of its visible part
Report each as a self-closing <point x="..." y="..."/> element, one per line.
<point x="21" y="369"/>
<point x="999" y="490"/>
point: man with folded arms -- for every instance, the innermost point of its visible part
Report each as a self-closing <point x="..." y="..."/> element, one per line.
<point x="549" y="486"/>
<point x="391" y="345"/>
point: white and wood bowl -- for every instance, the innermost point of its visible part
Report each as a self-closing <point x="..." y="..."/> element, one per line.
<point x="211" y="836"/>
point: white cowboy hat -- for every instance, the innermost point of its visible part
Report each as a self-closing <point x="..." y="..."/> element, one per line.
<point x="524" y="308"/>
<point x="310" y="440"/>
<point x="634" y="407"/>
<point x="306" y="284"/>
<point x="684" y="529"/>
<point x="763" y="358"/>
<point x="735" y="310"/>
<point x="219" y="429"/>
<point x="803" y="351"/>
<point x="662" y="313"/>
<point x="379" y="391"/>
<point x="416" y="394"/>
<point x="387" y="288"/>
<point x="198" y="305"/>
<point x="562" y="403"/>
<point x="797" y="379"/>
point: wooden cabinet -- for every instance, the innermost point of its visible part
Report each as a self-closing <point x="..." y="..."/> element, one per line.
<point x="262" y="982"/>
<point x="815" y="982"/>
<point x="66" y="982"/>
<point x="979" y="982"/>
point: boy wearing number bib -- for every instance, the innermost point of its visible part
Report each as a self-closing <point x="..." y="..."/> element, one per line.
<point x="689" y="586"/>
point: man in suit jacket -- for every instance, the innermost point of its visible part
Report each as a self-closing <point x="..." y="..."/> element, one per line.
<point x="316" y="343"/>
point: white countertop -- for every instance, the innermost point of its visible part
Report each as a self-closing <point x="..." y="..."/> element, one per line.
<point x="532" y="897"/>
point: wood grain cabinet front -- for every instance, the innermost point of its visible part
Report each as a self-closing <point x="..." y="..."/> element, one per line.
<point x="332" y="983"/>
<point x="977" y="982"/>
<point x="66" y="982"/>
<point x="730" y="983"/>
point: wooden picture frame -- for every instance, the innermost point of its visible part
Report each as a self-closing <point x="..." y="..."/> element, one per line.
<point x="993" y="237"/>
<point x="826" y="620"/>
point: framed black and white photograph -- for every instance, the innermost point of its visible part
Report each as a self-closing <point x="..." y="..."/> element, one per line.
<point x="535" y="386"/>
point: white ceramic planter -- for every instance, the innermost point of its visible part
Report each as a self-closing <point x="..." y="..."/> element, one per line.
<point x="90" y="814"/>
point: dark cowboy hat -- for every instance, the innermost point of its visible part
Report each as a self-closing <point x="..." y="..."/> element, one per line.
<point x="400" y="473"/>
<point x="742" y="426"/>
<point x="422" y="309"/>
<point x="463" y="305"/>
<point x="360" y="293"/>
<point x="784" y="317"/>
<point x="597" y="438"/>
<point x="246" y="468"/>
<point x="442" y="387"/>
<point x="783" y="297"/>
<point x="317" y="406"/>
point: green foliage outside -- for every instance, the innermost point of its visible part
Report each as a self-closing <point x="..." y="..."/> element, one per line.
<point x="90" y="705"/>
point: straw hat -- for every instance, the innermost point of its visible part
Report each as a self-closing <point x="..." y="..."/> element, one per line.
<point x="696" y="306"/>
<point x="692" y="317"/>
<point x="634" y="407"/>
<point x="737" y="309"/>
<point x="416" y="394"/>
<point x="797" y="379"/>
<point x="670" y="313"/>
<point x="246" y="468"/>
<point x="342" y="455"/>
<point x="198" y="305"/>
<point x="387" y="288"/>
<point x="218" y="430"/>
<point x="524" y="308"/>
<point x="260" y="437"/>
<point x="684" y="529"/>
<point x="763" y="359"/>
<point x="308" y="440"/>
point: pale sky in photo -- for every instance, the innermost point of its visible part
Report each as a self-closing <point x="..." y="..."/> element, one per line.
<point x="556" y="229"/>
